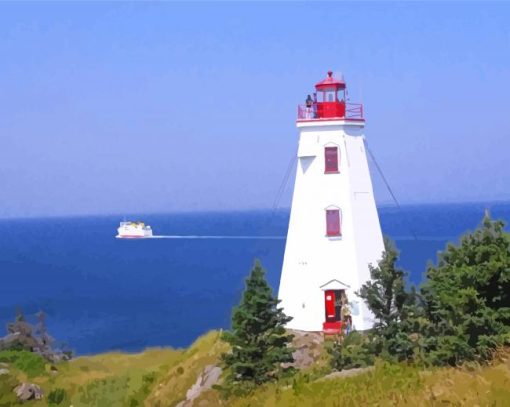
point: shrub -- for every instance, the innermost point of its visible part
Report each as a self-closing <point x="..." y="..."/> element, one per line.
<point x="30" y="363"/>
<point x="57" y="396"/>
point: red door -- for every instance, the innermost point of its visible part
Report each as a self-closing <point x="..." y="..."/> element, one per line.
<point x="329" y="300"/>
<point x="333" y="323"/>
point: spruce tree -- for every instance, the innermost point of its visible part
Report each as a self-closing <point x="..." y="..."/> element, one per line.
<point x="336" y="357"/>
<point x="259" y="342"/>
<point x="386" y="297"/>
<point x="351" y="351"/>
<point x="467" y="296"/>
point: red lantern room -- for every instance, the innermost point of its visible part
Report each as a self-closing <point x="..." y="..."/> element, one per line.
<point x="329" y="102"/>
<point x="331" y="97"/>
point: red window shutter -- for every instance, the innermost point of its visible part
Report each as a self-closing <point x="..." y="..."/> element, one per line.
<point x="333" y="222"/>
<point x="331" y="156"/>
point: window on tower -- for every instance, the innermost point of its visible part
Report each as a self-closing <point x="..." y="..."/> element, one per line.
<point x="331" y="159"/>
<point x="333" y="222"/>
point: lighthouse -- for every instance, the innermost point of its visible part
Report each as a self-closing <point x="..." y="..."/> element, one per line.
<point x="334" y="231"/>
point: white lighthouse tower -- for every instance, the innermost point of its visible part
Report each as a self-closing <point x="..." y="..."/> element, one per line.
<point x="334" y="231"/>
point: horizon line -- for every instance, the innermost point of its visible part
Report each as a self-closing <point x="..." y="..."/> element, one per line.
<point x="385" y="205"/>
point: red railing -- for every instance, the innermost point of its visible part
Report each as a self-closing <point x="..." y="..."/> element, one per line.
<point x="306" y="113"/>
<point x="337" y="110"/>
<point x="354" y="111"/>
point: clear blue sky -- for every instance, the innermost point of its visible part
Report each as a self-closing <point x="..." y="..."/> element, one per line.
<point x="154" y="107"/>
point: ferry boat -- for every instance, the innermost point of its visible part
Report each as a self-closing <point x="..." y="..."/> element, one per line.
<point x="128" y="230"/>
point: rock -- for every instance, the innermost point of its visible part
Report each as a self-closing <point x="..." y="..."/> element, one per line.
<point x="2" y="364"/>
<point x="205" y="381"/>
<point x="209" y="377"/>
<point x="347" y="373"/>
<point x="302" y="358"/>
<point x="28" y="391"/>
<point x="4" y="371"/>
<point x="308" y="348"/>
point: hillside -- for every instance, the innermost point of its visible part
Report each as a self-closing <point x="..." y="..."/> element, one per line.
<point x="162" y="377"/>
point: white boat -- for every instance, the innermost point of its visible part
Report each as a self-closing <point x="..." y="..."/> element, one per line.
<point x="132" y="230"/>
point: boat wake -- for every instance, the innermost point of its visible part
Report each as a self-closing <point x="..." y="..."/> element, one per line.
<point x="214" y="237"/>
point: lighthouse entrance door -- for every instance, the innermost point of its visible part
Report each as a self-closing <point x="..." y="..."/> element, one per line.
<point x="333" y="305"/>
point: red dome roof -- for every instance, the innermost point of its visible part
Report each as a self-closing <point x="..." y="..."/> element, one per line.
<point x="330" y="83"/>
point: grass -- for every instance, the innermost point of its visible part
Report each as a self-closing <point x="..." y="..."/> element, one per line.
<point x="29" y="363"/>
<point x="385" y="383"/>
<point x="176" y="382"/>
<point x="111" y="379"/>
<point x="155" y="377"/>
<point x="161" y="377"/>
<point x="393" y="385"/>
<point x="7" y="383"/>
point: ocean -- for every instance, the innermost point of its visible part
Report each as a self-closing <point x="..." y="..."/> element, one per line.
<point x="101" y="294"/>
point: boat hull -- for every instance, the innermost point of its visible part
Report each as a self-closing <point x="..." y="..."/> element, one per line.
<point x="133" y="230"/>
<point x="132" y="237"/>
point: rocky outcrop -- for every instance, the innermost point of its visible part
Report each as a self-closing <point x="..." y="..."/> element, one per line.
<point x="20" y="338"/>
<point x="22" y="335"/>
<point x="209" y="377"/>
<point x="308" y="348"/>
<point x="28" y="391"/>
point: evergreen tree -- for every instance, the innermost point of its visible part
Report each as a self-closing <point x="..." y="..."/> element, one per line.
<point x="336" y="357"/>
<point x="351" y="351"/>
<point x="467" y="296"/>
<point x="392" y="306"/>
<point x="258" y="340"/>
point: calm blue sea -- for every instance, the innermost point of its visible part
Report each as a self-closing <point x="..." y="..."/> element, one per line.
<point x="102" y="294"/>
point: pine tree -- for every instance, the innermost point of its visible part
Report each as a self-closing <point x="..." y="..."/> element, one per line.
<point x="351" y="351"/>
<point x="259" y="342"/>
<point x="467" y="296"/>
<point x="336" y="357"/>
<point x="387" y="298"/>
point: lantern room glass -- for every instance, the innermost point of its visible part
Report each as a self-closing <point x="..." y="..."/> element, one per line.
<point x="332" y="95"/>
